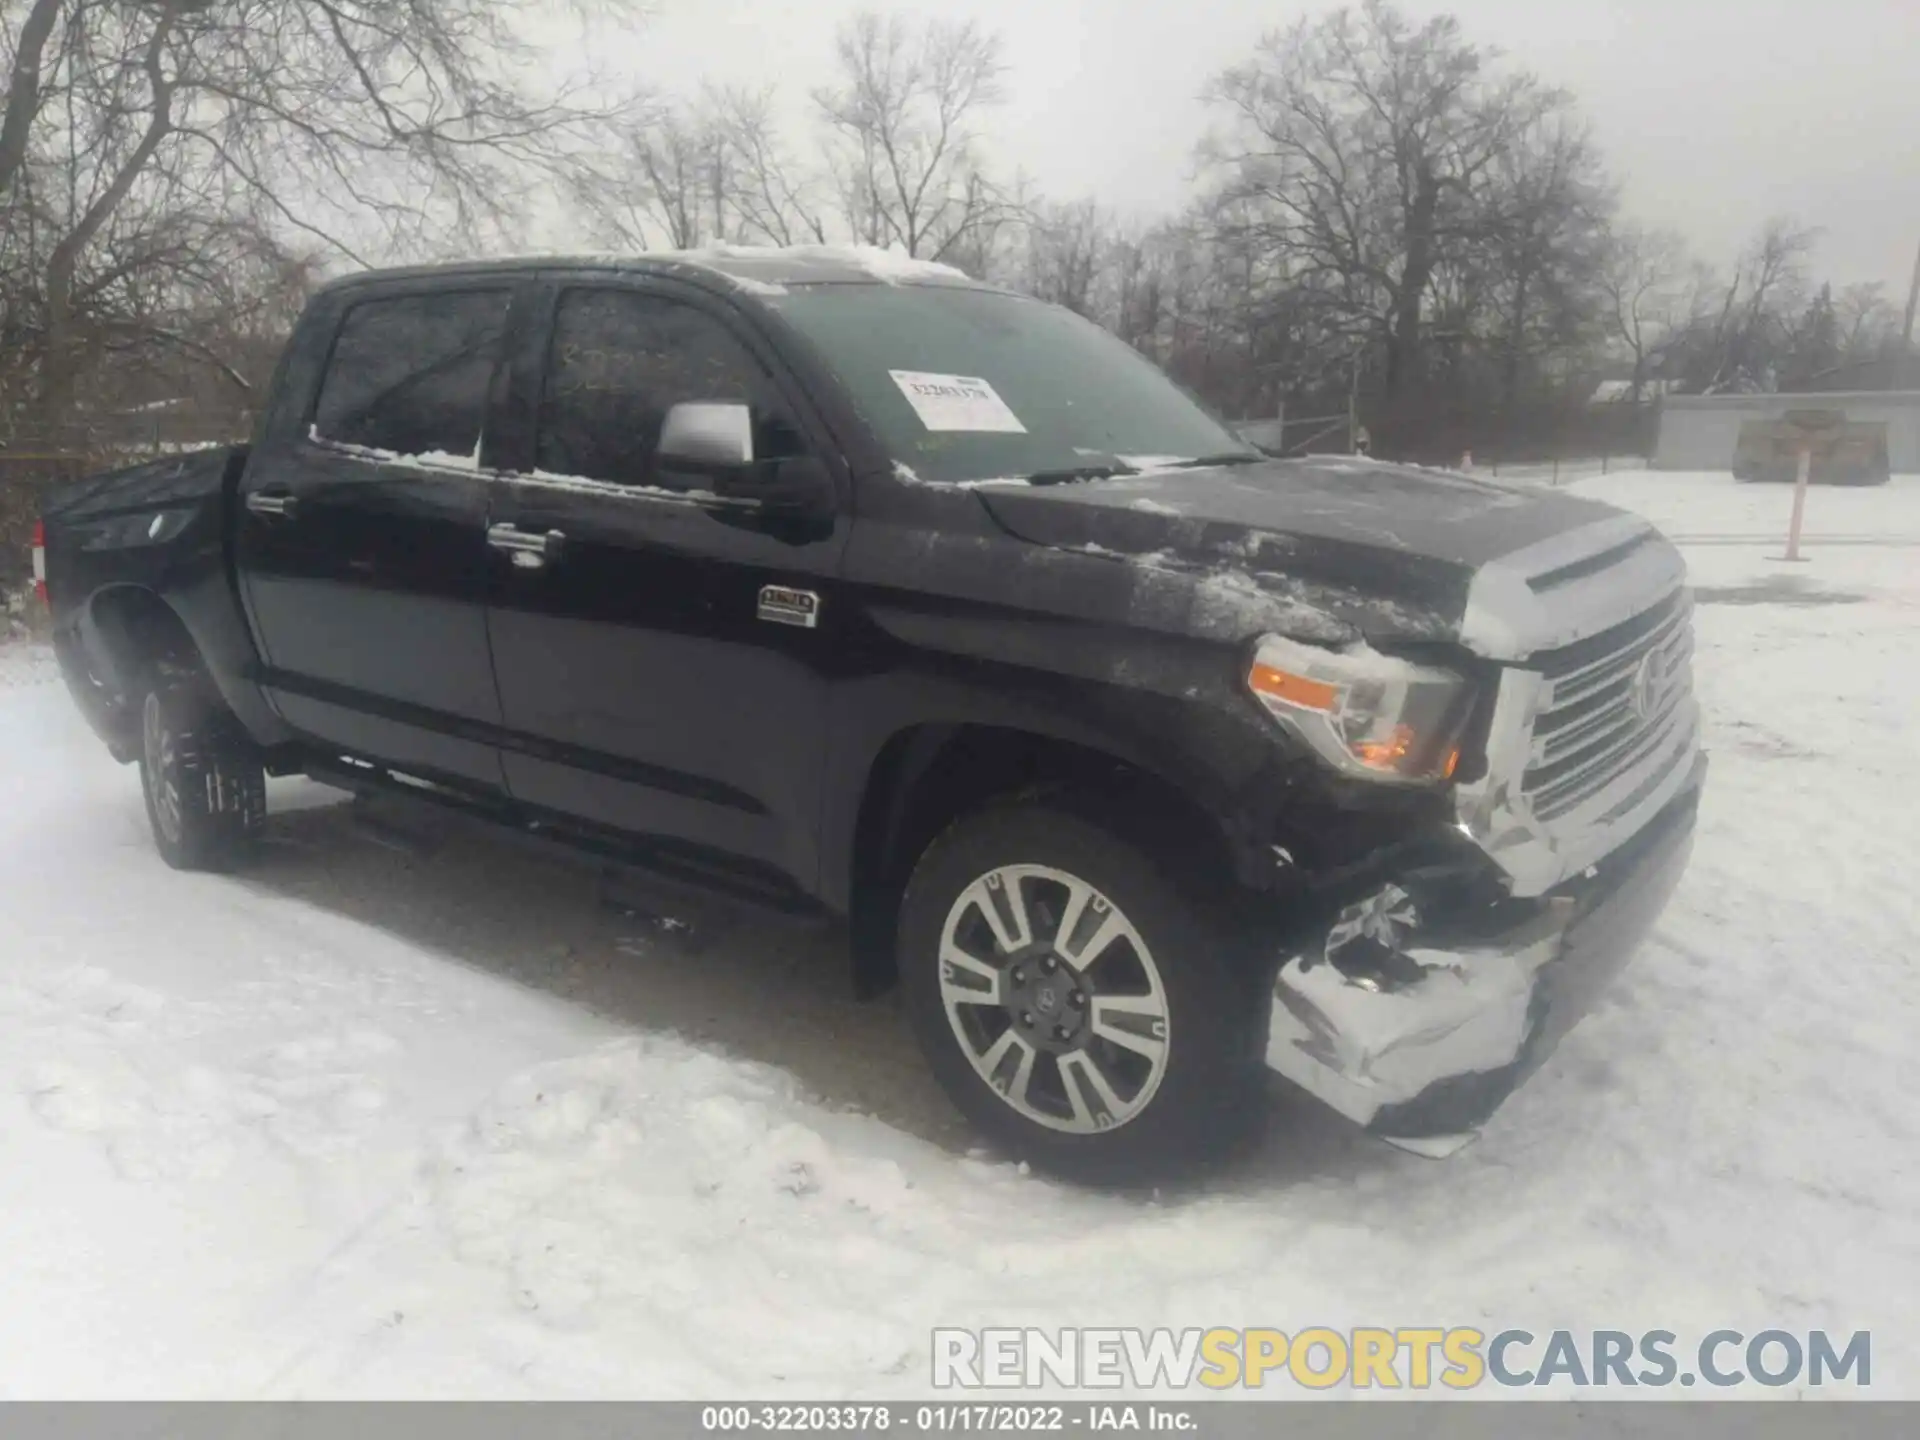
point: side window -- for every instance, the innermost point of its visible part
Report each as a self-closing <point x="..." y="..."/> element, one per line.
<point x="411" y="374"/>
<point x="618" y="361"/>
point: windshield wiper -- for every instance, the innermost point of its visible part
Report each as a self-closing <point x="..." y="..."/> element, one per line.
<point x="1232" y="457"/>
<point x="1075" y="473"/>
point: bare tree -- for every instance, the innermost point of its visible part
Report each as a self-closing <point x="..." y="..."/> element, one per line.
<point x="359" y="125"/>
<point x="1365" y="143"/>
<point x="902" y="118"/>
<point x="773" y="198"/>
<point x="1868" y="321"/>
<point x="1137" y="267"/>
<point x="1755" y="325"/>
<point x="1648" y="281"/>
<point x="1547" y="211"/>
<point x="25" y="67"/>
<point x="671" y="178"/>
<point x="1066" y="255"/>
<point x="1812" y="349"/>
<point x="1391" y="217"/>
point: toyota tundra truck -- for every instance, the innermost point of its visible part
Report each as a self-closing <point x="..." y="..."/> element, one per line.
<point x="847" y="588"/>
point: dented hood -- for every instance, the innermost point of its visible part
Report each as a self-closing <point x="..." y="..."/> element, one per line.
<point x="1387" y="550"/>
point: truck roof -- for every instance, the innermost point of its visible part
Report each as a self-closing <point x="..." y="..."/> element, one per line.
<point x="766" y="269"/>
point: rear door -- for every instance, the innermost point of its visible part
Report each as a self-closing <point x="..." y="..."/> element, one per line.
<point x="650" y="676"/>
<point x="362" y="529"/>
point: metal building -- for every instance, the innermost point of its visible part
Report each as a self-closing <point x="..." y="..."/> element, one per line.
<point x="1699" y="432"/>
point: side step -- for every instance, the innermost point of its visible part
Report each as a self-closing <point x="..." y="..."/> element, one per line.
<point x="681" y="890"/>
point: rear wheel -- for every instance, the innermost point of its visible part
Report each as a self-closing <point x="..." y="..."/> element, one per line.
<point x="204" y="785"/>
<point x="1076" y="1004"/>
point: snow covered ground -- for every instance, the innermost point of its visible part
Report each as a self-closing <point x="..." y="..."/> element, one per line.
<point x="383" y="1121"/>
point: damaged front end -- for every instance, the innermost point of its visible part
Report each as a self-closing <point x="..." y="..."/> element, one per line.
<point x="1416" y="1008"/>
<point x="1429" y="967"/>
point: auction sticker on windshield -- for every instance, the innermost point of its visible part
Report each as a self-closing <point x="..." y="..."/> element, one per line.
<point x="956" y="402"/>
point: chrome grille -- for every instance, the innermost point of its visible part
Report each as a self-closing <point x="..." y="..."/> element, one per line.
<point x="1582" y="750"/>
<point x="1611" y="704"/>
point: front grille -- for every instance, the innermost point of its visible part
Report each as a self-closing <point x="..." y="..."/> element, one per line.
<point x="1612" y="705"/>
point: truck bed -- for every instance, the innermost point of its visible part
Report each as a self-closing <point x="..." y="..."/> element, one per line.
<point x="123" y="543"/>
<point x="128" y="526"/>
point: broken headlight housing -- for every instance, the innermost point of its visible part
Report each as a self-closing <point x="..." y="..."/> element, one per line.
<point x="1369" y="715"/>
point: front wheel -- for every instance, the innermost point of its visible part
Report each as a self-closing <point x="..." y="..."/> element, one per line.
<point x="1076" y="1004"/>
<point x="204" y="785"/>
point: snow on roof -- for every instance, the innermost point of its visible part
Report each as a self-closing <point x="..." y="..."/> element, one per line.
<point x="758" y="269"/>
<point x="881" y="264"/>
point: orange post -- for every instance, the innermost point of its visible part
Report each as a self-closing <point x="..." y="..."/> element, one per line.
<point x="1799" y="501"/>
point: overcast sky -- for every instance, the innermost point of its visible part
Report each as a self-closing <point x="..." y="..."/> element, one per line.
<point x="1714" y="114"/>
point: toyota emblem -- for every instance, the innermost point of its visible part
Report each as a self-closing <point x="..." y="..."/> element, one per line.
<point x="1649" y="684"/>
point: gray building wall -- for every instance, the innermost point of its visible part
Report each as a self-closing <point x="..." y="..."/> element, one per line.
<point x="1698" y="432"/>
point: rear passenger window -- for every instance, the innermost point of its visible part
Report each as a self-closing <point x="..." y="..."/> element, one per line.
<point x="411" y="374"/>
<point x="618" y="361"/>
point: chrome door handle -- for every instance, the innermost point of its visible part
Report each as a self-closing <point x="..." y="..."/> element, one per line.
<point x="272" y="506"/>
<point x="528" y="549"/>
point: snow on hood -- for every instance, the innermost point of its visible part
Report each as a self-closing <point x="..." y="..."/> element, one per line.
<point x="1321" y="551"/>
<point x="1440" y="516"/>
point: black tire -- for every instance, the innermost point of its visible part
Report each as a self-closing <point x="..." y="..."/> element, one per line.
<point x="1209" y="1087"/>
<point x="205" y="790"/>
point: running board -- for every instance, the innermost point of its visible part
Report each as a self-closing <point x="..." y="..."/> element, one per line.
<point x="654" y="878"/>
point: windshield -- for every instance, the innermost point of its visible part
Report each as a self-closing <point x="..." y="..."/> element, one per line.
<point x="965" y="384"/>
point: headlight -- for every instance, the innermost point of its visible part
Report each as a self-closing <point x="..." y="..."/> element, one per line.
<point x="1366" y="713"/>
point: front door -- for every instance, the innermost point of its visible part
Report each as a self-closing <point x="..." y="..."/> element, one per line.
<point x="660" y="670"/>
<point x="362" y="533"/>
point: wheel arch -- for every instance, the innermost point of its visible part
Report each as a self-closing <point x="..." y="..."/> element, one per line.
<point x="121" y="633"/>
<point x="126" y="624"/>
<point x="925" y="776"/>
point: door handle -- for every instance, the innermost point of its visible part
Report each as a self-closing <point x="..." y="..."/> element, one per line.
<point x="528" y="549"/>
<point x="272" y="505"/>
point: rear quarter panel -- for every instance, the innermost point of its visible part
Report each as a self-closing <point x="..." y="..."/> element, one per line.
<point x="162" y="527"/>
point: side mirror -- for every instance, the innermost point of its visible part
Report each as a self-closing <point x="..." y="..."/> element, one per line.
<point x="706" y="436"/>
<point x="797" y="485"/>
<point x="714" y="440"/>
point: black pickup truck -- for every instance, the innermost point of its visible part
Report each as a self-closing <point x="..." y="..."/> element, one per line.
<point x="852" y="589"/>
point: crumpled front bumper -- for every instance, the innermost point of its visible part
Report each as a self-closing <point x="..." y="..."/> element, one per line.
<point x="1424" y="1049"/>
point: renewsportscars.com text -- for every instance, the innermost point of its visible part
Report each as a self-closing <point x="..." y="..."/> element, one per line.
<point x="1416" y="1358"/>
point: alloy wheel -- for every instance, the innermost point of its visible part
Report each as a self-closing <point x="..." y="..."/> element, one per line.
<point x="162" y="767"/>
<point x="1055" y="998"/>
